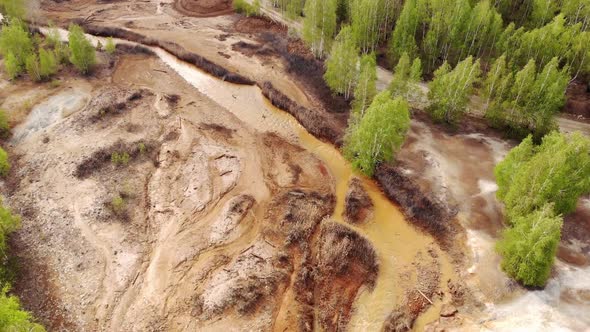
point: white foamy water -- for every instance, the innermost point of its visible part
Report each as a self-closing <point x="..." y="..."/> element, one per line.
<point x="563" y="305"/>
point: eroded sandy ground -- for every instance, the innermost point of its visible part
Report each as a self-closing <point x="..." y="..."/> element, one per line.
<point x="226" y="226"/>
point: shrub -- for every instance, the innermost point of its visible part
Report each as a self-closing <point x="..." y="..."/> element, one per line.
<point x="528" y="249"/>
<point x="14" y="8"/>
<point x="82" y="53"/>
<point x="12" y="317"/>
<point x="120" y="158"/>
<point x="141" y="147"/>
<point x="118" y="204"/>
<point x="4" y="163"/>
<point x="32" y="65"/>
<point x="15" y="43"/>
<point x="110" y="46"/>
<point x="12" y="66"/>
<point x="47" y="63"/>
<point x="4" y="125"/>
<point x="241" y="6"/>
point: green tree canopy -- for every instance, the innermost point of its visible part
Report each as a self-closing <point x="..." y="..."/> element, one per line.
<point x="557" y="172"/>
<point x="15" y="46"/>
<point x="341" y="66"/>
<point x="379" y="134"/>
<point x="319" y="25"/>
<point x="82" y="53"/>
<point x="366" y="88"/>
<point x="528" y="249"/>
<point x="450" y="90"/>
<point x="399" y="84"/>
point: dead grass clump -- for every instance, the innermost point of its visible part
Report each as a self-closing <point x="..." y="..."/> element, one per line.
<point x="113" y="102"/>
<point x="422" y="209"/>
<point x="170" y="47"/>
<point x="342" y="249"/>
<point x="427" y="277"/>
<point x="227" y="133"/>
<point x="134" y="49"/>
<point x="103" y="157"/>
<point x="315" y="123"/>
<point x="357" y="203"/>
<point x="249" y="49"/>
<point x="301" y="212"/>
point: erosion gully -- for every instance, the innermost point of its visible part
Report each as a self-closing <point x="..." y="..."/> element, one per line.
<point x="395" y="241"/>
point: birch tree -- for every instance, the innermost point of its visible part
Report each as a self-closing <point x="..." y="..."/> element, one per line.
<point x="379" y="134"/>
<point x="370" y="18"/>
<point x="341" y="66"/>
<point x="319" y="25"/>
<point x="401" y="77"/>
<point x="450" y="90"/>
<point x="403" y="38"/>
<point x="366" y="88"/>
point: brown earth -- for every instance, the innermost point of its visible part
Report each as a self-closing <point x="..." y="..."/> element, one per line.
<point x="578" y="100"/>
<point x="204" y="8"/>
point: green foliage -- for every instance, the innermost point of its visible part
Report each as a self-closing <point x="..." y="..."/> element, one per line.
<point x="120" y="158"/>
<point x="515" y="160"/>
<point x="528" y="249"/>
<point x="366" y="88"/>
<point x="568" y="43"/>
<point x="14" y="8"/>
<point x="526" y="102"/>
<point x="295" y="8"/>
<point x="12" y="317"/>
<point x="12" y="66"/>
<point x="369" y="18"/>
<point x="110" y="46"/>
<point x="4" y="125"/>
<point x="538" y="184"/>
<point x="118" y="204"/>
<point x="4" y="163"/>
<point x="403" y="39"/>
<point x="32" y="65"/>
<point x="341" y="65"/>
<point x="401" y="80"/>
<point x="142" y="148"/>
<point x="15" y="45"/>
<point x="450" y="90"/>
<point x="47" y="63"/>
<point x="242" y="6"/>
<point x="379" y="133"/>
<point x="557" y="171"/>
<point x="416" y="70"/>
<point x="319" y="25"/>
<point x="82" y="53"/>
